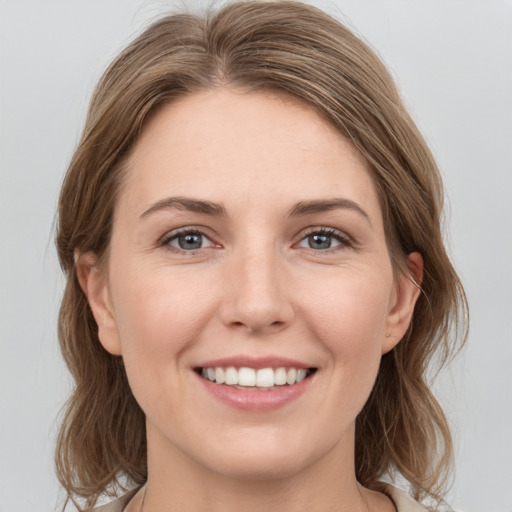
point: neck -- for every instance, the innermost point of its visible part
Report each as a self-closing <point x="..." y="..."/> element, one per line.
<point x="177" y="482"/>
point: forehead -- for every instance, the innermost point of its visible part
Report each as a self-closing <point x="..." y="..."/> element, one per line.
<point x="244" y="148"/>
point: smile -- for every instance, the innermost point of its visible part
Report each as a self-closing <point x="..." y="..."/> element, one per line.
<point x="261" y="379"/>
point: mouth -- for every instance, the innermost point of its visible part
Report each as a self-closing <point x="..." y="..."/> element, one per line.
<point x="255" y="379"/>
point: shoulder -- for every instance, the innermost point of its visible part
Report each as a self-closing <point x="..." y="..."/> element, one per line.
<point x="117" y="505"/>
<point x="403" y="502"/>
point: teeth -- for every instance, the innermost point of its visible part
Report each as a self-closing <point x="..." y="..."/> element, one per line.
<point x="280" y="377"/>
<point x="231" y="376"/>
<point x="246" y="377"/>
<point x="220" y="375"/>
<point x="251" y="378"/>
<point x="301" y="375"/>
<point x="291" y="374"/>
<point x="265" y="378"/>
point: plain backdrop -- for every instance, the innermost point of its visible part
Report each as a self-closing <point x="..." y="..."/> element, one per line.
<point x="453" y="62"/>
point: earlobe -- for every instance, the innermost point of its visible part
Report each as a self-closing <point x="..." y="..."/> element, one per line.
<point x="94" y="284"/>
<point x="408" y="289"/>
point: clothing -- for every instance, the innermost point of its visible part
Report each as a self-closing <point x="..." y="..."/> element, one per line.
<point x="119" y="504"/>
<point x="403" y="502"/>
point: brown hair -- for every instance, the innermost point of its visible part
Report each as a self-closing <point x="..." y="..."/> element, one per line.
<point x="299" y="50"/>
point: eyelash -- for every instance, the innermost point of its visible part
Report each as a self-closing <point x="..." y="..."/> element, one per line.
<point x="174" y="235"/>
<point x="344" y="240"/>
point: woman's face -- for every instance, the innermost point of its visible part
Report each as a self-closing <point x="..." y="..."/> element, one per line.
<point x="248" y="234"/>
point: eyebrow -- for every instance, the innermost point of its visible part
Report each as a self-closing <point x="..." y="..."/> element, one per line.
<point x="188" y="204"/>
<point x="325" y="205"/>
<point x="217" y="210"/>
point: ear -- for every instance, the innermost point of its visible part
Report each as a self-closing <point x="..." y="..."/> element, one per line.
<point x="406" y="294"/>
<point x="94" y="284"/>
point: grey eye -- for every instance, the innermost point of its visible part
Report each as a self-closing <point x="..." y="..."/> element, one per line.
<point x="190" y="241"/>
<point x="319" y="241"/>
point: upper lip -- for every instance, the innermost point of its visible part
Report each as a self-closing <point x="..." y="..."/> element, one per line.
<point x="254" y="362"/>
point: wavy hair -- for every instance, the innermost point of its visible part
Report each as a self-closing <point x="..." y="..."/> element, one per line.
<point x="288" y="47"/>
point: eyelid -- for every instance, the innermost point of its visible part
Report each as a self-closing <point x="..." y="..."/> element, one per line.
<point x="185" y="230"/>
<point x="346" y="241"/>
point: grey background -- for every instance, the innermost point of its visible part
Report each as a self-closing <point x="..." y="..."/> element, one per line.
<point x="453" y="62"/>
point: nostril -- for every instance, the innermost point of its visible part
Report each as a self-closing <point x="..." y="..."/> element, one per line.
<point x="255" y="327"/>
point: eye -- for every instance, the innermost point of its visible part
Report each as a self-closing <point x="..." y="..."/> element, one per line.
<point x="187" y="240"/>
<point x="321" y="239"/>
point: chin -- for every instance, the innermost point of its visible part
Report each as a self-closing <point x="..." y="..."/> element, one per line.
<point x="261" y="468"/>
<point x="267" y="457"/>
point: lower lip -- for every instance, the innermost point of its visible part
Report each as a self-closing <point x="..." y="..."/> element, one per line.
<point x="256" y="401"/>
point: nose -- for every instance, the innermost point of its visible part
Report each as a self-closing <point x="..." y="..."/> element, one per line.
<point x="256" y="297"/>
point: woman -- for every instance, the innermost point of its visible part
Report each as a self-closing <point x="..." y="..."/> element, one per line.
<point x="256" y="279"/>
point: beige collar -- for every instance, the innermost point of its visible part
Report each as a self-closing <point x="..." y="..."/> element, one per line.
<point x="403" y="501"/>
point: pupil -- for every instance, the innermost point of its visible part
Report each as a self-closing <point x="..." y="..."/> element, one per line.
<point x="319" y="241"/>
<point x="190" y="241"/>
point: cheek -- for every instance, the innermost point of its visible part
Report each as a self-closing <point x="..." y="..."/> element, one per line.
<point x="158" y="315"/>
<point x="353" y="307"/>
<point x="350" y="321"/>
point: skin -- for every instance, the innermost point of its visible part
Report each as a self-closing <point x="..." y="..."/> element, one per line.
<point x="256" y="287"/>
